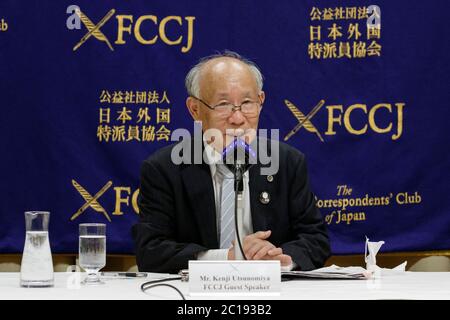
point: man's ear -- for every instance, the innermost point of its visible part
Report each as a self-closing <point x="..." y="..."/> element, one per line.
<point x="193" y="107"/>
<point x="262" y="96"/>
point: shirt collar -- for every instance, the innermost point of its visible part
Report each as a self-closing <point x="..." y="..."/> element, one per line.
<point x="212" y="156"/>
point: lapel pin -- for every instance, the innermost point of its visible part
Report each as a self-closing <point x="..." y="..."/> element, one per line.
<point x="264" y="197"/>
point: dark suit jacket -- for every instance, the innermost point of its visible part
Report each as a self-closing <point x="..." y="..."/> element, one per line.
<point x="178" y="218"/>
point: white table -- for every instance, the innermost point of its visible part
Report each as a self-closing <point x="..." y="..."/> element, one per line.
<point x="410" y="285"/>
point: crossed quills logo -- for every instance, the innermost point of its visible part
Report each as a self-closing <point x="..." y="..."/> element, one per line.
<point x="93" y="30"/>
<point x="303" y="121"/>
<point x="91" y="201"/>
<point x="146" y="29"/>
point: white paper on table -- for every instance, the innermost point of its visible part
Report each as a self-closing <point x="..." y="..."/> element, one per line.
<point x="331" y="272"/>
<point x="370" y="252"/>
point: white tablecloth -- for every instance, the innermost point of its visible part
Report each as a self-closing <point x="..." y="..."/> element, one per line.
<point x="410" y="285"/>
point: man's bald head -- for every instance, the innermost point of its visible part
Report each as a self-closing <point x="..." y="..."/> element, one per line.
<point x="217" y="65"/>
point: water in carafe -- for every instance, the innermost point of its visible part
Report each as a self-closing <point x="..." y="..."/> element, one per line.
<point x="36" y="269"/>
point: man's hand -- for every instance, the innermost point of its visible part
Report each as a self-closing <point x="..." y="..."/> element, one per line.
<point x="231" y="251"/>
<point x="256" y="247"/>
<point x="277" y="254"/>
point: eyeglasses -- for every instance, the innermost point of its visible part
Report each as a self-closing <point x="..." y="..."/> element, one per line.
<point x="249" y="108"/>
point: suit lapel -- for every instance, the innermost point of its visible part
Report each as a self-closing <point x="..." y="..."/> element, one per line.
<point x="258" y="210"/>
<point x="261" y="213"/>
<point x="199" y="189"/>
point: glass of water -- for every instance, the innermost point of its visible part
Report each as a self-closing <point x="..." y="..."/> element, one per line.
<point x="92" y="251"/>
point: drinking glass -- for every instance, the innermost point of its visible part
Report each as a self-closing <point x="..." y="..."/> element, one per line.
<point x="92" y="251"/>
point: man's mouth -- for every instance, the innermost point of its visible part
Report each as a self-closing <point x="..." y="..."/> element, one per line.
<point x="235" y="132"/>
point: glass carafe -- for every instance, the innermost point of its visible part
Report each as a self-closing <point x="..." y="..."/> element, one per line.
<point x="36" y="269"/>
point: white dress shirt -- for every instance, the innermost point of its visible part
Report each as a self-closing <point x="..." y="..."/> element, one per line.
<point x="213" y="157"/>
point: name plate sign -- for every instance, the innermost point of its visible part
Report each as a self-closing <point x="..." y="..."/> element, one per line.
<point x="247" y="278"/>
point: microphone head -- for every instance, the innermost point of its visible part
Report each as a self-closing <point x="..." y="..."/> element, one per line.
<point x="239" y="155"/>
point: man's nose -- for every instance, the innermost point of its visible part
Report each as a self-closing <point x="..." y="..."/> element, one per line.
<point x="237" y="118"/>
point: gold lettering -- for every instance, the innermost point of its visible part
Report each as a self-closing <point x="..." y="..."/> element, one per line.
<point x="338" y="216"/>
<point x="372" y="122"/>
<point x="121" y="28"/>
<point x="400" y="198"/>
<point x="349" y="217"/>
<point x="417" y="197"/>
<point x="347" y="124"/>
<point x="120" y="200"/>
<point x="405" y="198"/>
<point x="3" y="25"/>
<point x="134" y="201"/>
<point x="137" y="29"/>
<point x="162" y="30"/>
<point x="332" y="119"/>
<point x="400" y="107"/>
<point x="190" y="36"/>
<point x="125" y="23"/>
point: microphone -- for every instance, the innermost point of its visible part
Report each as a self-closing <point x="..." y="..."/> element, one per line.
<point x="238" y="156"/>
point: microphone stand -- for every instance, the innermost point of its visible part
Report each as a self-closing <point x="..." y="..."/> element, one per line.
<point x="240" y="157"/>
<point x="238" y="211"/>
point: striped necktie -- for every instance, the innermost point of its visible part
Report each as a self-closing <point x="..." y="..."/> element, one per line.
<point x="226" y="207"/>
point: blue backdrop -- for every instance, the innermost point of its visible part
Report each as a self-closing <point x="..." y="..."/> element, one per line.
<point x="87" y="96"/>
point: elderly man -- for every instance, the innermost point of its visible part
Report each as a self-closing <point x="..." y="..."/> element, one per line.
<point x="185" y="208"/>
